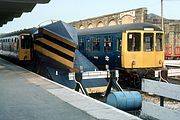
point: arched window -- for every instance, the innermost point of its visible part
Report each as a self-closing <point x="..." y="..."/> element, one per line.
<point x="81" y="27"/>
<point x="127" y="19"/>
<point x="90" y="25"/>
<point x="100" y="24"/>
<point x="112" y="22"/>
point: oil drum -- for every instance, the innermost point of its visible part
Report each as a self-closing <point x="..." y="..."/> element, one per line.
<point x="125" y="100"/>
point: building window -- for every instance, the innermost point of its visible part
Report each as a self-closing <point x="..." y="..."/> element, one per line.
<point x="108" y="43"/>
<point x="96" y="43"/>
<point x="148" y="42"/>
<point x="134" y="41"/>
<point x="159" y="42"/>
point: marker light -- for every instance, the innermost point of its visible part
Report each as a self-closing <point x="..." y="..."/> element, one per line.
<point x="151" y="29"/>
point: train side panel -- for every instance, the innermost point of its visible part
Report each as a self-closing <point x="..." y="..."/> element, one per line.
<point x="9" y="46"/>
<point x="102" y="49"/>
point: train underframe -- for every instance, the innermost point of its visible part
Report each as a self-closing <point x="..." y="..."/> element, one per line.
<point x="131" y="78"/>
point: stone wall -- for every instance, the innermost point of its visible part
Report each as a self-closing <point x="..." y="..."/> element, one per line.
<point x="130" y="16"/>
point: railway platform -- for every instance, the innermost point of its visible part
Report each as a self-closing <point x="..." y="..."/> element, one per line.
<point x="27" y="96"/>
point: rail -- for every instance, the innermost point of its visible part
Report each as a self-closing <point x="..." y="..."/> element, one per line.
<point x="170" y="72"/>
<point x="173" y="63"/>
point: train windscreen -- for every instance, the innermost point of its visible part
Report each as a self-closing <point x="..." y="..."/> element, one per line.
<point x="159" y="42"/>
<point x="134" y="41"/>
<point x="25" y="41"/>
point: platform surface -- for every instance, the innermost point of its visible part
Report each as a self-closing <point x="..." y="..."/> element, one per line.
<point x="28" y="96"/>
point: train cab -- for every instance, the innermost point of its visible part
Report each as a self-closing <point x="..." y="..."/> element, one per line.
<point x="25" y="47"/>
<point x="142" y="49"/>
<point x="17" y="46"/>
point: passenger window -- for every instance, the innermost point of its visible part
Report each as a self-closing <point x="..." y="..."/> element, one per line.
<point x="148" y="42"/>
<point x="107" y="43"/>
<point x="134" y="41"/>
<point x="159" y="42"/>
<point x="15" y="40"/>
<point x="81" y="43"/>
<point x="17" y="46"/>
<point x="96" y="43"/>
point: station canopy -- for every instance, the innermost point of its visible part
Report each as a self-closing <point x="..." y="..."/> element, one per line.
<point x="10" y="9"/>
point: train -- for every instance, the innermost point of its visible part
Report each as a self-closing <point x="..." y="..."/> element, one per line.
<point x="172" y="52"/>
<point x="135" y="49"/>
<point x="172" y="44"/>
<point x="17" y="46"/>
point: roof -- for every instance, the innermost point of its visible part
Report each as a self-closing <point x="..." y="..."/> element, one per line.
<point x="11" y="9"/>
<point x="59" y="28"/>
<point x="118" y="28"/>
<point x="63" y="30"/>
<point x="29" y="30"/>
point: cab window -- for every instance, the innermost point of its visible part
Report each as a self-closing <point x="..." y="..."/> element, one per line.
<point x="148" y="42"/>
<point x="25" y="42"/>
<point x="107" y="43"/>
<point x="134" y="42"/>
<point x="96" y="44"/>
<point x="159" y="42"/>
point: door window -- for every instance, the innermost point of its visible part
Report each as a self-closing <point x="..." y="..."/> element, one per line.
<point x="148" y="42"/>
<point x="159" y="42"/>
<point x="134" y="42"/>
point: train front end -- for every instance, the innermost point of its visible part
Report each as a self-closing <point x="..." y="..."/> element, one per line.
<point x="142" y="49"/>
<point x="25" y="46"/>
<point x="143" y="52"/>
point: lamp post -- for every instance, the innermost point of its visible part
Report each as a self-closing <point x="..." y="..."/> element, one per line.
<point x="162" y="20"/>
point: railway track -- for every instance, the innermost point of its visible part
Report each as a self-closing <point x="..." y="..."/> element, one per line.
<point x="174" y="80"/>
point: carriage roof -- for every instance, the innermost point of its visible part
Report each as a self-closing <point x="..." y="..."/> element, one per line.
<point x="118" y="28"/>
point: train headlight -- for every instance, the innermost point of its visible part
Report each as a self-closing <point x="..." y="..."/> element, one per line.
<point x="22" y="37"/>
<point x="133" y="62"/>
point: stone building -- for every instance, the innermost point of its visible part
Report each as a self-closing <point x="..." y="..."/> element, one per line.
<point x="130" y="16"/>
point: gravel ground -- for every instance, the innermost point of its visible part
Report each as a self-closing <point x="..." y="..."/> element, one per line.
<point x="168" y="103"/>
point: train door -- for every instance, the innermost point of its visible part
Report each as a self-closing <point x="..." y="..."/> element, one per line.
<point x="25" y="45"/>
<point x="132" y="56"/>
<point x="118" y="49"/>
<point x="159" y="60"/>
<point x="148" y="49"/>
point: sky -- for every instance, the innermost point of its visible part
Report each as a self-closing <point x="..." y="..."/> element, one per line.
<point x="75" y="10"/>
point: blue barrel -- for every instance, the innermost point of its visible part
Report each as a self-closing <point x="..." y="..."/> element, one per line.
<point x="126" y="100"/>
